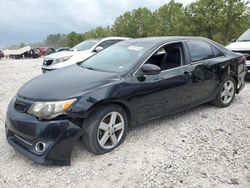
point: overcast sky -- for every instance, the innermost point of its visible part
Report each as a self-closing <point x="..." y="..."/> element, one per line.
<point x="31" y="21"/>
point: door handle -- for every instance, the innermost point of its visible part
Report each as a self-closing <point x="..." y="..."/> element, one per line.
<point x="156" y="79"/>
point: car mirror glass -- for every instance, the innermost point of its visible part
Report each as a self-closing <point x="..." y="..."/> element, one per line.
<point x="98" y="49"/>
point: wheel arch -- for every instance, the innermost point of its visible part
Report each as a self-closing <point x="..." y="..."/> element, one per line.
<point x="122" y="104"/>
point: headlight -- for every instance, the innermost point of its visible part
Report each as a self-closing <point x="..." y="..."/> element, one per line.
<point x="60" y="60"/>
<point x="48" y="110"/>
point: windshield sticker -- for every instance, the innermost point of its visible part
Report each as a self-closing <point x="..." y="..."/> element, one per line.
<point x="136" y="48"/>
<point x="120" y="67"/>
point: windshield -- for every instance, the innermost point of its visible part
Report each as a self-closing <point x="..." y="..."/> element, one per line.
<point x="245" y="36"/>
<point x="117" y="58"/>
<point x="85" y="45"/>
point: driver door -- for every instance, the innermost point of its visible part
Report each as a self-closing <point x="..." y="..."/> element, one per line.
<point x="167" y="92"/>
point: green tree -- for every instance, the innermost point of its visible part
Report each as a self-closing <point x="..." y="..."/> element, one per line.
<point x="74" y="38"/>
<point x="55" y="40"/>
<point x="98" y="32"/>
<point x="170" y="19"/>
<point x="237" y="18"/>
<point x="219" y="20"/>
<point x="135" y="23"/>
<point x="205" y="17"/>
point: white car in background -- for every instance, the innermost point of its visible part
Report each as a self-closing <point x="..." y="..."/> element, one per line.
<point x="78" y="53"/>
<point x="242" y="45"/>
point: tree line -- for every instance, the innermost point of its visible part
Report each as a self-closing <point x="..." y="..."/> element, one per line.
<point x="219" y="20"/>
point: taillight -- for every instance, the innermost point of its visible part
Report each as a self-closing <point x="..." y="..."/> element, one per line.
<point x="244" y="58"/>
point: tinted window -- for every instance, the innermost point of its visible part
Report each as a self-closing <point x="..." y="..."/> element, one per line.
<point x="200" y="50"/>
<point x="108" y="43"/>
<point x="217" y="53"/>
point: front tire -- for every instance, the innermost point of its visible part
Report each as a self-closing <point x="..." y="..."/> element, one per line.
<point x="226" y="94"/>
<point x="105" y="129"/>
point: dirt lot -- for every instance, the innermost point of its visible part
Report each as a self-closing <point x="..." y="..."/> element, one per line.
<point x="201" y="147"/>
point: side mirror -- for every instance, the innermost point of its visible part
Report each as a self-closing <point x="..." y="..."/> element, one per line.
<point x="98" y="49"/>
<point x="233" y="40"/>
<point x="150" y="69"/>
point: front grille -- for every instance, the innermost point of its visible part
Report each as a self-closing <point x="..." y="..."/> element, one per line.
<point x="244" y="52"/>
<point x="47" y="62"/>
<point x="21" y="106"/>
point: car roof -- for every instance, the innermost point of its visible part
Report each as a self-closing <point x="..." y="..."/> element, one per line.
<point x="114" y="38"/>
<point x="154" y="41"/>
<point x="161" y="39"/>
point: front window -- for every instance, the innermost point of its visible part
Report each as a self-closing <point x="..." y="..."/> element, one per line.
<point x="117" y="58"/>
<point x="85" y="45"/>
<point x="245" y="36"/>
<point x="167" y="57"/>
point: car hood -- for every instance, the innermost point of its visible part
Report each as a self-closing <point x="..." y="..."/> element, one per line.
<point x="62" y="54"/>
<point x="239" y="46"/>
<point x="65" y="83"/>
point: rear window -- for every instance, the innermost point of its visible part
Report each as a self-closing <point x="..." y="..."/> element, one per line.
<point x="200" y="50"/>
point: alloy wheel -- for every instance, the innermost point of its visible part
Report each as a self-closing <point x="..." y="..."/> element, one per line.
<point x="111" y="130"/>
<point x="227" y="93"/>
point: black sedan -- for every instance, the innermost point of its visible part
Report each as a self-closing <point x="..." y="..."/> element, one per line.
<point x="129" y="83"/>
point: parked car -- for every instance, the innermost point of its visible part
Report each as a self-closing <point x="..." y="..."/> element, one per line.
<point x="126" y="84"/>
<point x="42" y="51"/>
<point x="63" y="49"/>
<point x="242" y="45"/>
<point x="17" y="53"/>
<point x="49" y="51"/>
<point x="24" y="52"/>
<point x="33" y="53"/>
<point x="78" y="53"/>
<point x="1" y="55"/>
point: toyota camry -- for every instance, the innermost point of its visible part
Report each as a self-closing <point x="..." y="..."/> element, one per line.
<point x="127" y="84"/>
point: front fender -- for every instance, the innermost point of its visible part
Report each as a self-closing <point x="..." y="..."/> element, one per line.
<point x="97" y="97"/>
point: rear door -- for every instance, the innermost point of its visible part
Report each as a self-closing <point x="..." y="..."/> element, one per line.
<point x="207" y="67"/>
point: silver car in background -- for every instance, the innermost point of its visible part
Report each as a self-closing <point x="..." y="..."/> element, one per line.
<point x="78" y="53"/>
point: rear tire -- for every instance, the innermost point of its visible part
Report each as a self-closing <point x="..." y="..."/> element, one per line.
<point x="226" y="94"/>
<point x="105" y="129"/>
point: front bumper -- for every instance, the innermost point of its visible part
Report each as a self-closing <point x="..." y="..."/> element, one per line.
<point x="24" y="131"/>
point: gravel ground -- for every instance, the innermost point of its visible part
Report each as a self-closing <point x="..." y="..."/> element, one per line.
<point x="201" y="147"/>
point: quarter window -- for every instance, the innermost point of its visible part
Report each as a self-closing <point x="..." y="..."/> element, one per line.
<point x="217" y="53"/>
<point x="200" y="50"/>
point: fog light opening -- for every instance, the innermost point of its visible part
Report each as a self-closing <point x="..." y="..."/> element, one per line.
<point x="40" y="147"/>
